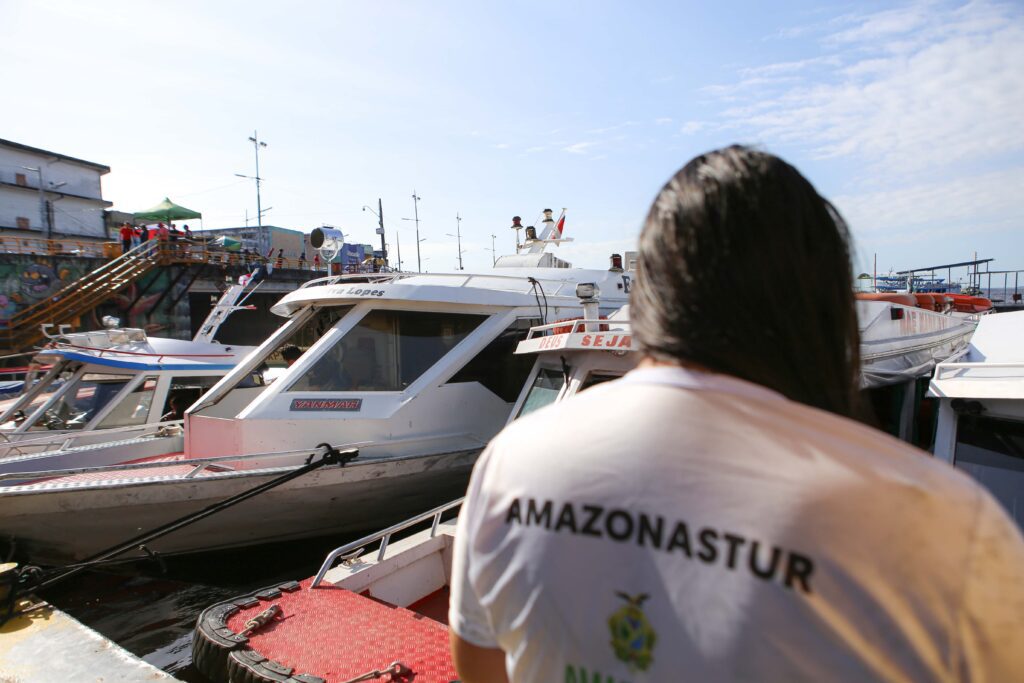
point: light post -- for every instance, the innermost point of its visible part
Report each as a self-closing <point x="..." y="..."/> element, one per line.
<point x="416" y="213"/>
<point x="380" y="230"/>
<point x="256" y="144"/>
<point x="458" y="237"/>
<point x="419" y="262"/>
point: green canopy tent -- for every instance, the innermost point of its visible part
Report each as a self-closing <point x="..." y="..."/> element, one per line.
<point x="165" y="212"/>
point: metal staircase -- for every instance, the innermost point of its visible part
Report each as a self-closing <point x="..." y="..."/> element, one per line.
<point x="24" y="329"/>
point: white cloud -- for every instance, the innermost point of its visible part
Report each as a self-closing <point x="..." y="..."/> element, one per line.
<point x="691" y="127"/>
<point x="924" y="101"/>
<point x="664" y="120"/>
<point x="905" y="90"/>
<point x="579" y="147"/>
<point x="502" y="145"/>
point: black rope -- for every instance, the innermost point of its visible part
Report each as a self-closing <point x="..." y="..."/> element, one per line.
<point x="543" y="311"/>
<point x="331" y="456"/>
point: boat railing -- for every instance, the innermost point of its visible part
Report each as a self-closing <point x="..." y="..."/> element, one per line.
<point x="140" y="354"/>
<point x="200" y="464"/>
<point x="578" y="325"/>
<point x="467" y="280"/>
<point x="66" y="439"/>
<point x="384" y="536"/>
<point x="977" y="371"/>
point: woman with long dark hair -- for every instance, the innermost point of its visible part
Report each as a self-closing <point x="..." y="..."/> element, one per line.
<point x="716" y="515"/>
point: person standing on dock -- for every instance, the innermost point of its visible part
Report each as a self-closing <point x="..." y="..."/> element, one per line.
<point x="126" y="237"/>
<point x="718" y="514"/>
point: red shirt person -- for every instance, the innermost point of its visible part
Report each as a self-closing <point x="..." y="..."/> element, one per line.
<point x="126" y="238"/>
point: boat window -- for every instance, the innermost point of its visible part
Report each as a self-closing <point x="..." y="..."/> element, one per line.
<point x="90" y="394"/>
<point x="183" y="392"/>
<point x="133" y="408"/>
<point x="595" y="378"/>
<point x="387" y="351"/>
<point x="310" y="331"/>
<point x="497" y="367"/>
<point x="545" y="389"/>
<point x="992" y="451"/>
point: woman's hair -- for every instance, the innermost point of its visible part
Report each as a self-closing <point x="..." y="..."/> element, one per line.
<point x="745" y="270"/>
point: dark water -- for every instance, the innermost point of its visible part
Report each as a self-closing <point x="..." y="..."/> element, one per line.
<point x="150" y="611"/>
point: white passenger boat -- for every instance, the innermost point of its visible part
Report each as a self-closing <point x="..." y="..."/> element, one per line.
<point x="113" y="395"/>
<point x="390" y="607"/>
<point x="981" y="409"/>
<point x="415" y="370"/>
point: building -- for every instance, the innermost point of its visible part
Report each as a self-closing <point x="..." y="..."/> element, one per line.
<point x="266" y="240"/>
<point x="50" y="195"/>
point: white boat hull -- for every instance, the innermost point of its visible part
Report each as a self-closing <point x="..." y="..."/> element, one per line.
<point x="55" y="522"/>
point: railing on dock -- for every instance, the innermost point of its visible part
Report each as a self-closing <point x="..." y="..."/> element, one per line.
<point x="384" y="536"/>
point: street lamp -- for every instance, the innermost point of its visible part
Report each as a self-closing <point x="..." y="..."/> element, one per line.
<point x="458" y="237"/>
<point x="256" y="144"/>
<point x="416" y="213"/>
<point x="419" y="261"/>
<point x="380" y="230"/>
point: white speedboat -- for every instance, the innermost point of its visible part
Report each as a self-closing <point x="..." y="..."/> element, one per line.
<point x="114" y="394"/>
<point x="980" y="393"/>
<point x="391" y="607"/>
<point x="415" y="370"/>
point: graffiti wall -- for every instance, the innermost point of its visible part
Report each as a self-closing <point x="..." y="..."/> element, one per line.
<point x="26" y="280"/>
<point x="157" y="302"/>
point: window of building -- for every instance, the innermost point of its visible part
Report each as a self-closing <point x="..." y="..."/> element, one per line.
<point x="387" y="351"/>
<point x="992" y="451"/>
<point x="20" y="179"/>
<point x="23" y="223"/>
<point x="497" y="367"/>
<point x="134" y="408"/>
<point x="545" y="389"/>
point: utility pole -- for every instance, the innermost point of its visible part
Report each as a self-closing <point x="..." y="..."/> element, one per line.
<point x="380" y="219"/>
<point x="458" y="236"/>
<point x="256" y="144"/>
<point x="398" y="244"/>
<point x="494" y="254"/>
<point x="44" y="224"/>
<point x="416" y="213"/>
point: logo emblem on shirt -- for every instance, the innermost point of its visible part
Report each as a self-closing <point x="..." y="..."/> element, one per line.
<point x="633" y="638"/>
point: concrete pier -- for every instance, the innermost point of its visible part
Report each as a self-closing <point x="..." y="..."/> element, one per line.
<point x="45" y="645"/>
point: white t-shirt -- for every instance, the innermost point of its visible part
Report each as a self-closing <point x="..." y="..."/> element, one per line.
<point x="683" y="526"/>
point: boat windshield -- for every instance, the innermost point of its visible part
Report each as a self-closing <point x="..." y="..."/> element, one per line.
<point x="545" y="389"/>
<point x="386" y="351"/>
<point x="992" y="451"/>
<point x="134" y="408"/>
<point x="595" y="378"/>
<point x="89" y="394"/>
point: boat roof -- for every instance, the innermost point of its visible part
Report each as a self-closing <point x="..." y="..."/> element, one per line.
<point x="993" y="365"/>
<point x="499" y="287"/>
<point x="132" y="349"/>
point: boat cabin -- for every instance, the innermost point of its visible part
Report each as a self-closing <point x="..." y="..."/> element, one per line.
<point x="113" y="379"/>
<point x="980" y="393"/>
<point x="397" y="364"/>
<point x="573" y="356"/>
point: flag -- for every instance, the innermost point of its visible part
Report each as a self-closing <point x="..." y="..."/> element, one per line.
<point x="560" y="225"/>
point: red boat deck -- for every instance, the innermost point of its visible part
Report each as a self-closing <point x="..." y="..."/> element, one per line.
<point x="336" y="634"/>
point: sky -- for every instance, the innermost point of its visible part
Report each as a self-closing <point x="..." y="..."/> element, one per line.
<point x="908" y="115"/>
